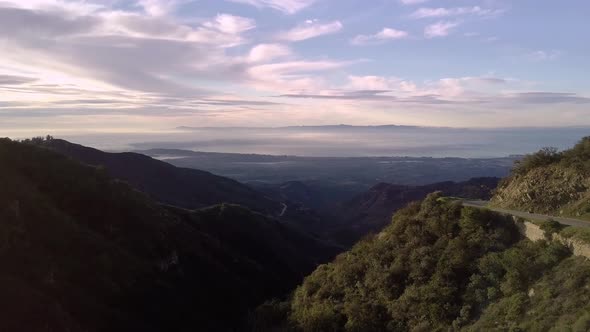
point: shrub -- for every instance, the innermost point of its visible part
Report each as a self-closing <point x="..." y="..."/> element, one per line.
<point x="550" y="227"/>
<point x="545" y="156"/>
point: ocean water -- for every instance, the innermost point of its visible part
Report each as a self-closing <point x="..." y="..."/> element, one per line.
<point x="345" y="141"/>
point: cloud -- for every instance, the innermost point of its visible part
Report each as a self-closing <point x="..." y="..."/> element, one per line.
<point x="544" y="55"/>
<point x="373" y="96"/>
<point x="412" y="2"/>
<point x="371" y="82"/>
<point x="310" y="29"/>
<point x="439" y="29"/>
<point x="387" y="34"/>
<point x="132" y="60"/>
<point x="15" y="80"/>
<point x="457" y="11"/>
<point x="123" y="50"/>
<point x="70" y="7"/>
<point x="547" y="98"/>
<point x="291" y="75"/>
<point x="161" y="7"/>
<point x="268" y="52"/>
<point x="485" y="79"/>
<point x="285" y="6"/>
<point x="231" y="24"/>
<point x="448" y="91"/>
<point x="73" y="63"/>
<point x="474" y="90"/>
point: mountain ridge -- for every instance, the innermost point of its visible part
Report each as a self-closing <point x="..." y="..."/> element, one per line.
<point x="183" y="187"/>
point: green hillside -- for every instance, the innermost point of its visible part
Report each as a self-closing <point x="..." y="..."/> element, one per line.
<point x="82" y="252"/>
<point x="549" y="182"/>
<point x="441" y="267"/>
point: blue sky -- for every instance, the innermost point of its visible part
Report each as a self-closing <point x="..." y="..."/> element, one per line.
<point x="127" y="66"/>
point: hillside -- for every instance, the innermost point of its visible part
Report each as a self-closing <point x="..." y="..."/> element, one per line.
<point x="439" y="267"/>
<point x="550" y="182"/>
<point x="372" y="210"/>
<point x="183" y="187"/>
<point x="83" y="252"/>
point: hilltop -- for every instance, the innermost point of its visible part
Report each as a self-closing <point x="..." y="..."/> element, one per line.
<point x="549" y="182"/>
<point x="184" y="187"/>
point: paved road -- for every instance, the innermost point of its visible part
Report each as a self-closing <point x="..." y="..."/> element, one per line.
<point x="562" y="220"/>
<point x="284" y="210"/>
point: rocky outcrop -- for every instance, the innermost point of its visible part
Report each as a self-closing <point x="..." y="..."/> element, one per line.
<point x="552" y="189"/>
<point x="534" y="232"/>
<point x="578" y="247"/>
<point x="529" y="230"/>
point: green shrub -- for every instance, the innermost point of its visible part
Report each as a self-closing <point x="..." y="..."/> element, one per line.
<point x="551" y="227"/>
<point x="545" y="156"/>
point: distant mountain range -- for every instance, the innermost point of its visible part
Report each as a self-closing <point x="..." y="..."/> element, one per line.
<point x="340" y="126"/>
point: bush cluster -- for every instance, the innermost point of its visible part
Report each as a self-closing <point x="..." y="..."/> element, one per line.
<point x="577" y="157"/>
<point x="436" y="267"/>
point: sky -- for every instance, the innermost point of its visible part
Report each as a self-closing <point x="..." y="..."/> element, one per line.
<point x="153" y="65"/>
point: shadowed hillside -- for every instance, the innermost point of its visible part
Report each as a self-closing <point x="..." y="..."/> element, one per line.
<point x="183" y="187"/>
<point x="83" y="252"/>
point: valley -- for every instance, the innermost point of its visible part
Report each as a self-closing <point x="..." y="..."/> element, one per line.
<point x="335" y="179"/>
<point x="275" y="251"/>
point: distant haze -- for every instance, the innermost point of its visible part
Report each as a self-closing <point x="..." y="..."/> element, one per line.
<point x="346" y="141"/>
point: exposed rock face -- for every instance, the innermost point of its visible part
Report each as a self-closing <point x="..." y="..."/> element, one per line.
<point x="535" y="233"/>
<point x="529" y="230"/>
<point x="552" y="189"/>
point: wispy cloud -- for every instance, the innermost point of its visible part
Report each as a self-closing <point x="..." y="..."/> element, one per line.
<point x="544" y="55"/>
<point x="285" y="6"/>
<point x="297" y="75"/>
<point x="457" y="11"/>
<point x="440" y="29"/>
<point x="548" y="98"/>
<point x="15" y="80"/>
<point x="268" y="52"/>
<point x="231" y="24"/>
<point x="476" y="90"/>
<point x="412" y="2"/>
<point x="310" y="29"/>
<point x="161" y="7"/>
<point x="387" y="34"/>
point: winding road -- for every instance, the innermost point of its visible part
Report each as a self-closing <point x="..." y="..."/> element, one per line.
<point x="536" y="216"/>
<point x="285" y="206"/>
